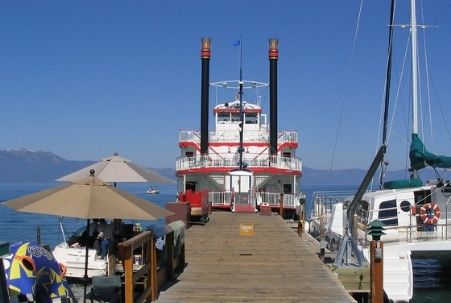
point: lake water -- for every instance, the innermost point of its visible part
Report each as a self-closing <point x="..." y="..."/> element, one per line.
<point x="432" y="278"/>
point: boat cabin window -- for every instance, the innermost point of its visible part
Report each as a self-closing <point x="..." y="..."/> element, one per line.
<point x="223" y="117"/>
<point x="287" y="189"/>
<point x="362" y="212"/>
<point x="189" y="154"/>
<point x="251" y="118"/>
<point x="235" y="117"/>
<point x="422" y="197"/>
<point x="388" y="213"/>
<point x="405" y="206"/>
<point x="190" y="185"/>
<point x="286" y="154"/>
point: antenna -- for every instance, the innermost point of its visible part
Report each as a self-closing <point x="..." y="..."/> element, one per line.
<point x="241" y="103"/>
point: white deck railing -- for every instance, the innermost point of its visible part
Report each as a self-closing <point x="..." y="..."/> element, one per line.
<point x="224" y="199"/>
<point x="414" y="231"/>
<point x="233" y="136"/>
<point x="231" y="160"/>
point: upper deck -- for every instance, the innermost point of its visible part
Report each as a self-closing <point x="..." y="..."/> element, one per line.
<point x="230" y="137"/>
<point x="224" y="152"/>
<point x="240" y="122"/>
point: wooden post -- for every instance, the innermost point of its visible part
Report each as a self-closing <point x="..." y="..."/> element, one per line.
<point x="128" y="261"/>
<point x="301" y="222"/>
<point x="281" y="205"/>
<point x="38" y="235"/>
<point x="153" y="270"/>
<point x="377" y="271"/>
<point x="170" y="256"/>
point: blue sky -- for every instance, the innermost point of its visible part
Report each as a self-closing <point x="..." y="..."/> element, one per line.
<point x="84" y="79"/>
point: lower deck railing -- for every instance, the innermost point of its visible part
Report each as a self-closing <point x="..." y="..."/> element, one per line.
<point x="226" y="198"/>
<point x="414" y="231"/>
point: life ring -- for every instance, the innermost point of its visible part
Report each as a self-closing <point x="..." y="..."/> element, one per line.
<point x="430" y="213"/>
<point x="63" y="270"/>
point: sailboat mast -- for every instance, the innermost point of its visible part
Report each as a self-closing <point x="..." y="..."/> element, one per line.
<point x="413" y="31"/>
<point x="387" y="88"/>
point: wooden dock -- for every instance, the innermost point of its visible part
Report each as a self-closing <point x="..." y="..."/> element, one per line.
<point x="271" y="265"/>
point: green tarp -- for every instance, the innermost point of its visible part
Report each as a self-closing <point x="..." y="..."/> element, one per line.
<point x="420" y="157"/>
<point x="405" y="183"/>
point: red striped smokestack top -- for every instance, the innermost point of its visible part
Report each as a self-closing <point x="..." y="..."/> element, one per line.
<point x="273" y="58"/>
<point x="273" y="49"/>
<point x="205" y="52"/>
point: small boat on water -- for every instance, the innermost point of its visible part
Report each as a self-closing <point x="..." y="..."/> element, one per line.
<point x="245" y="164"/>
<point x="415" y="215"/>
<point x="153" y="190"/>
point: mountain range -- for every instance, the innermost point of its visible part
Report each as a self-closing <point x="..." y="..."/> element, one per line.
<point x="22" y="165"/>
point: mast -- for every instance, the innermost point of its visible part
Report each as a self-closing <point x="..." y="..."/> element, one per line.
<point x="387" y="88"/>
<point x="413" y="32"/>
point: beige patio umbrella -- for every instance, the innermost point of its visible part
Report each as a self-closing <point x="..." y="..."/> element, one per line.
<point x="117" y="169"/>
<point x="88" y="199"/>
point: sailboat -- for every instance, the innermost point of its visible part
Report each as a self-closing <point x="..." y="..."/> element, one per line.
<point x="415" y="215"/>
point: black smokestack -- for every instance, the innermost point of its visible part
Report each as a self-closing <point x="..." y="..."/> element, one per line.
<point x="273" y="57"/>
<point x="204" y="97"/>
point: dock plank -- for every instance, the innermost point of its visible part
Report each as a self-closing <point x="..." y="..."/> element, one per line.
<point x="273" y="265"/>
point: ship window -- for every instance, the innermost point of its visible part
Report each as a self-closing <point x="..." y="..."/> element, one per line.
<point x="235" y="117"/>
<point x="388" y="213"/>
<point x="190" y="185"/>
<point x="189" y="154"/>
<point x="405" y="206"/>
<point x="223" y="117"/>
<point x="362" y="212"/>
<point x="251" y="119"/>
<point x="287" y="188"/>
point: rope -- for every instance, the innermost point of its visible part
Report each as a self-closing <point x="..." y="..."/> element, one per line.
<point x="340" y="117"/>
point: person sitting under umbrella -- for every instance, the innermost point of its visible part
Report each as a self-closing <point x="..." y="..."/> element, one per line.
<point x="104" y="236"/>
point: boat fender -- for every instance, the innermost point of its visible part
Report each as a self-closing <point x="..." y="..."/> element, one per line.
<point x="430" y="213"/>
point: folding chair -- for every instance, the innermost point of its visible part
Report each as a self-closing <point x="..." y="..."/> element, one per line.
<point x="106" y="289"/>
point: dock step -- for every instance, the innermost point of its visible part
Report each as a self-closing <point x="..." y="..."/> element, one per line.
<point x="244" y="208"/>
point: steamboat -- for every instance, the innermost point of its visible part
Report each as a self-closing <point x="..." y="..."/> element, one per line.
<point x="245" y="164"/>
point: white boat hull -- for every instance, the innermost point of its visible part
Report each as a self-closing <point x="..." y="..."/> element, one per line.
<point x="74" y="260"/>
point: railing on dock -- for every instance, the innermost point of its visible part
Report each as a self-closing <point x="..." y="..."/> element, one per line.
<point x="147" y="273"/>
<point x="161" y="262"/>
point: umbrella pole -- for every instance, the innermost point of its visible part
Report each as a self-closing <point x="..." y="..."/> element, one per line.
<point x="85" y="278"/>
